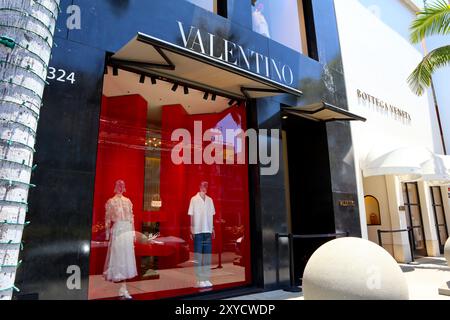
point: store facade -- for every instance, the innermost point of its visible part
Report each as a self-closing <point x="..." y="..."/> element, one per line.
<point x="120" y="86"/>
<point x="402" y="169"/>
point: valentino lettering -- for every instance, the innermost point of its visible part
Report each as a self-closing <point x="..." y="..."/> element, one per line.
<point x="230" y="52"/>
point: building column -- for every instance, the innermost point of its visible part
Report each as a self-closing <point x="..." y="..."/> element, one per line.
<point x="400" y="241"/>
<point x="429" y="223"/>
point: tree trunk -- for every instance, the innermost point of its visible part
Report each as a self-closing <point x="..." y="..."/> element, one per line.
<point x="26" y="40"/>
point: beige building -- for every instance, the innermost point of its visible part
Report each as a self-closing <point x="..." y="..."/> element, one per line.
<point x="402" y="172"/>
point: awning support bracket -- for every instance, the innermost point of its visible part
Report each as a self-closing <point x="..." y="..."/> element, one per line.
<point x="168" y="66"/>
<point x="246" y="90"/>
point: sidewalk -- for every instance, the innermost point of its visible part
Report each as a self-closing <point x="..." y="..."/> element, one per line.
<point x="424" y="277"/>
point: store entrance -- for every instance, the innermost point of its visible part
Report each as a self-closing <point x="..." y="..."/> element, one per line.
<point x="309" y="185"/>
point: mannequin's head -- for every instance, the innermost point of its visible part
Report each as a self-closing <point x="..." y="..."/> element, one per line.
<point x="119" y="187"/>
<point x="258" y="5"/>
<point x="203" y="187"/>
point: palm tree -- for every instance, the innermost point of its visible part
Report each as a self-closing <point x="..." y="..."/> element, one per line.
<point x="26" y="39"/>
<point x="434" y="19"/>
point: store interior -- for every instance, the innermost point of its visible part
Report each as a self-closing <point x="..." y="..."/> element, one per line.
<point x="139" y="115"/>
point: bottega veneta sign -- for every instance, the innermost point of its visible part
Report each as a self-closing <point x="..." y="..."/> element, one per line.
<point x="384" y="106"/>
<point x="230" y="52"/>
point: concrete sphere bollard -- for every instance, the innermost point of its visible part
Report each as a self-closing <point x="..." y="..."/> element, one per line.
<point x="447" y="251"/>
<point x="353" y="269"/>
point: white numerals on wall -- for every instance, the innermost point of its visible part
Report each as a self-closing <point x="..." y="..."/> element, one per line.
<point x="60" y="75"/>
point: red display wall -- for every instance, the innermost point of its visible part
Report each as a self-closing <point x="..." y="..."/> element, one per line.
<point x="120" y="156"/>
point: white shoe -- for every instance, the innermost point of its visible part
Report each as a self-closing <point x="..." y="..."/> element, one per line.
<point x="199" y="284"/>
<point x="123" y="293"/>
<point x="208" y="284"/>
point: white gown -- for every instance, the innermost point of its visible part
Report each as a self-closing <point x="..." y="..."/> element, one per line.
<point x="260" y="24"/>
<point x="120" y="261"/>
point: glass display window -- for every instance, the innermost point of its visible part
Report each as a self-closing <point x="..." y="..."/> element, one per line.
<point x="162" y="228"/>
<point x="210" y="5"/>
<point x="282" y="21"/>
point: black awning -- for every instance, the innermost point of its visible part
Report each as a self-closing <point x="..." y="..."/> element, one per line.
<point x="323" y="112"/>
<point x="151" y="56"/>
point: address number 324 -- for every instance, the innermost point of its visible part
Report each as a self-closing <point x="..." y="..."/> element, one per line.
<point x="60" y="75"/>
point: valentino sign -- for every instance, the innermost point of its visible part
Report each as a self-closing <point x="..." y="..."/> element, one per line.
<point x="230" y="52"/>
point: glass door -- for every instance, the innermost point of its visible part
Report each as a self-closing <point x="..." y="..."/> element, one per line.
<point x="439" y="217"/>
<point x="414" y="217"/>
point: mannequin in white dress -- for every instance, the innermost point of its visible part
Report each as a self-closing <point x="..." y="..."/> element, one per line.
<point x="260" y="24"/>
<point x="120" y="262"/>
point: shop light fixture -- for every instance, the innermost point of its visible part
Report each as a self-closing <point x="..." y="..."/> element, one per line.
<point x="175" y="87"/>
<point x="186" y="90"/>
<point x="205" y="96"/>
<point x="115" y="71"/>
<point x="153" y="80"/>
<point x="142" y="79"/>
<point x="285" y="117"/>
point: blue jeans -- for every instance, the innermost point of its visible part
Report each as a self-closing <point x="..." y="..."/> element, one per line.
<point x="202" y="255"/>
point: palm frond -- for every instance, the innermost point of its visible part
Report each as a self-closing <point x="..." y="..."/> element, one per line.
<point x="420" y="79"/>
<point x="434" y="19"/>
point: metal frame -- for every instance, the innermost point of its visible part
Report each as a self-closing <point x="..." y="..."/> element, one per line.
<point x="437" y="225"/>
<point x="409" y="204"/>
<point x="410" y="238"/>
<point x="291" y="237"/>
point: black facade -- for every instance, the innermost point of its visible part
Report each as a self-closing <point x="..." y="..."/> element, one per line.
<point x="61" y="205"/>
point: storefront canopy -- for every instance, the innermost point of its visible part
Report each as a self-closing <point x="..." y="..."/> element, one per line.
<point x="323" y="112"/>
<point x="151" y="56"/>
<point x="436" y="170"/>
<point x="409" y="164"/>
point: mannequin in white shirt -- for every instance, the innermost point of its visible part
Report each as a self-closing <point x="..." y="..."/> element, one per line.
<point x="202" y="211"/>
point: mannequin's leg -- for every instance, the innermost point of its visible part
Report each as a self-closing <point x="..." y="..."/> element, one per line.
<point x="207" y="247"/>
<point x="198" y="256"/>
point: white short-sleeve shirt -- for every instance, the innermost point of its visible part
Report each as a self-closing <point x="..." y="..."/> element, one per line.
<point x="202" y="213"/>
